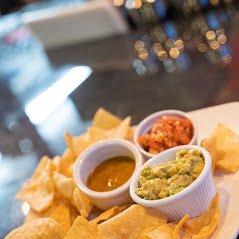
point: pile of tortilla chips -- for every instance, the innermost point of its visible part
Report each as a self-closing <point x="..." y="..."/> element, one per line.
<point x="135" y="222"/>
<point x="59" y="210"/>
<point x="223" y="146"/>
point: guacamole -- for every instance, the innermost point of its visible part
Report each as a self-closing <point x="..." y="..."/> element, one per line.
<point x="165" y="179"/>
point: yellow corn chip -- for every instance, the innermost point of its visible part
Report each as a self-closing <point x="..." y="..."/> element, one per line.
<point x="43" y="228"/>
<point x="223" y="146"/>
<point x="39" y="190"/>
<point x="164" y="231"/>
<point x="32" y="215"/>
<point x="130" y="223"/>
<point x="77" y="144"/>
<point x="107" y="214"/>
<point x="64" y="185"/>
<point x="177" y="230"/>
<point x="64" y="164"/>
<point x="122" y="131"/>
<point x="82" y="229"/>
<point x="96" y="134"/>
<point x="146" y="230"/>
<point x="62" y="215"/>
<point x="81" y="202"/>
<point x="105" y="120"/>
<point x="230" y="161"/>
<point x="203" y="226"/>
<point x="73" y="213"/>
<point x="58" y="200"/>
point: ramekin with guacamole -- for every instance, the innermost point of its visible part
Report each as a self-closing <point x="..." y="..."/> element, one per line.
<point x="176" y="182"/>
<point x="166" y="179"/>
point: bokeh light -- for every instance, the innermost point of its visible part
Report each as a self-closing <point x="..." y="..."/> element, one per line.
<point x="137" y="4"/>
<point x="174" y="52"/>
<point x="162" y="55"/>
<point x="118" y="3"/>
<point x="210" y="35"/>
<point x="202" y="47"/>
<point x="143" y="54"/>
<point x="214" y="2"/>
<point x="179" y="44"/>
<point x="222" y="39"/>
<point x="170" y="43"/>
<point x="214" y="44"/>
<point x="139" y="45"/>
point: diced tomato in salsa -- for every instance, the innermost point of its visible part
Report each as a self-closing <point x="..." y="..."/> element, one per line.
<point x="167" y="132"/>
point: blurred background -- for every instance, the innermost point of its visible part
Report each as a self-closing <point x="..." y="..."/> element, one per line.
<point x="60" y="60"/>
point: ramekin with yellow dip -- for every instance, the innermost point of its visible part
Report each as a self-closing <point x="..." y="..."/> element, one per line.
<point x="104" y="171"/>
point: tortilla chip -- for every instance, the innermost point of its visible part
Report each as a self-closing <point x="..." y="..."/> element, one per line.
<point x="39" y="190"/>
<point x="230" y="161"/>
<point x="223" y="146"/>
<point x="122" y="131"/>
<point x="65" y="163"/>
<point x="107" y="214"/>
<point x="64" y="185"/>
<point x="77" y="144"/>
<point x="210" y="145"/>
<point x="82" y="229"/>
<point x="177" y="230"/>
<point x="130" y="223"/>
<point x="32" y="215"/>
<point x="58" y="200"/>
<point x="164" y="231"/>
<point x="96" y="134"/>
<point x="203" y="226"/>
<point x="62" y="215"/>
<point x="43" y="228"/>
<point x="81" y="202"/>
<point x="105" y="120"/>
<point x="73" y="213"/>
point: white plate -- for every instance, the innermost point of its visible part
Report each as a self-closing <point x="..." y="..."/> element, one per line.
<point x="227" y="184"/>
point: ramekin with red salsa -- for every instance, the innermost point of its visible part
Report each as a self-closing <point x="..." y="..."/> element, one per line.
<point x="163" y="130"/>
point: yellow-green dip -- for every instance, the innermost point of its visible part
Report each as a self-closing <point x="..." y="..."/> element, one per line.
<point x="165" y="179"/>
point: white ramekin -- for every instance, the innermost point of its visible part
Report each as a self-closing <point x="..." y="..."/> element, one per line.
<point x="146" y="124"/>
<point x="96" y="154"/>
<point x="193" y="200"/>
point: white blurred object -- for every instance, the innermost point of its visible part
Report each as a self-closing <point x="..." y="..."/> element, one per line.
<point x="83" y="22"/>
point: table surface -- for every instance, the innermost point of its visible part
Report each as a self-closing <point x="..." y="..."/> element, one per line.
<point x="26" y="69"/>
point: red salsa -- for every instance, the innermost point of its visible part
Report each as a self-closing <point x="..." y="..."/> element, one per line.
<point x="167" y="132"/>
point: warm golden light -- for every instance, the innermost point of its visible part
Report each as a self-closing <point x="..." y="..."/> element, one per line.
<point x="222" y="39"/>
<point x="202" y="47"/>
<point x="137" y="4"/>
<point x="139" y="45"/>
<point x="143" y="54"/>
<point x="214" y="2"/>
<point x="214" y="44"/>
<point x="174" y="52"/>
<point x="162" y="55"/>
<point x="210" y="35"/>
<point x="157" y="47"/>
<point x="179" y="44"/>
<point x="118" y="3"/>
